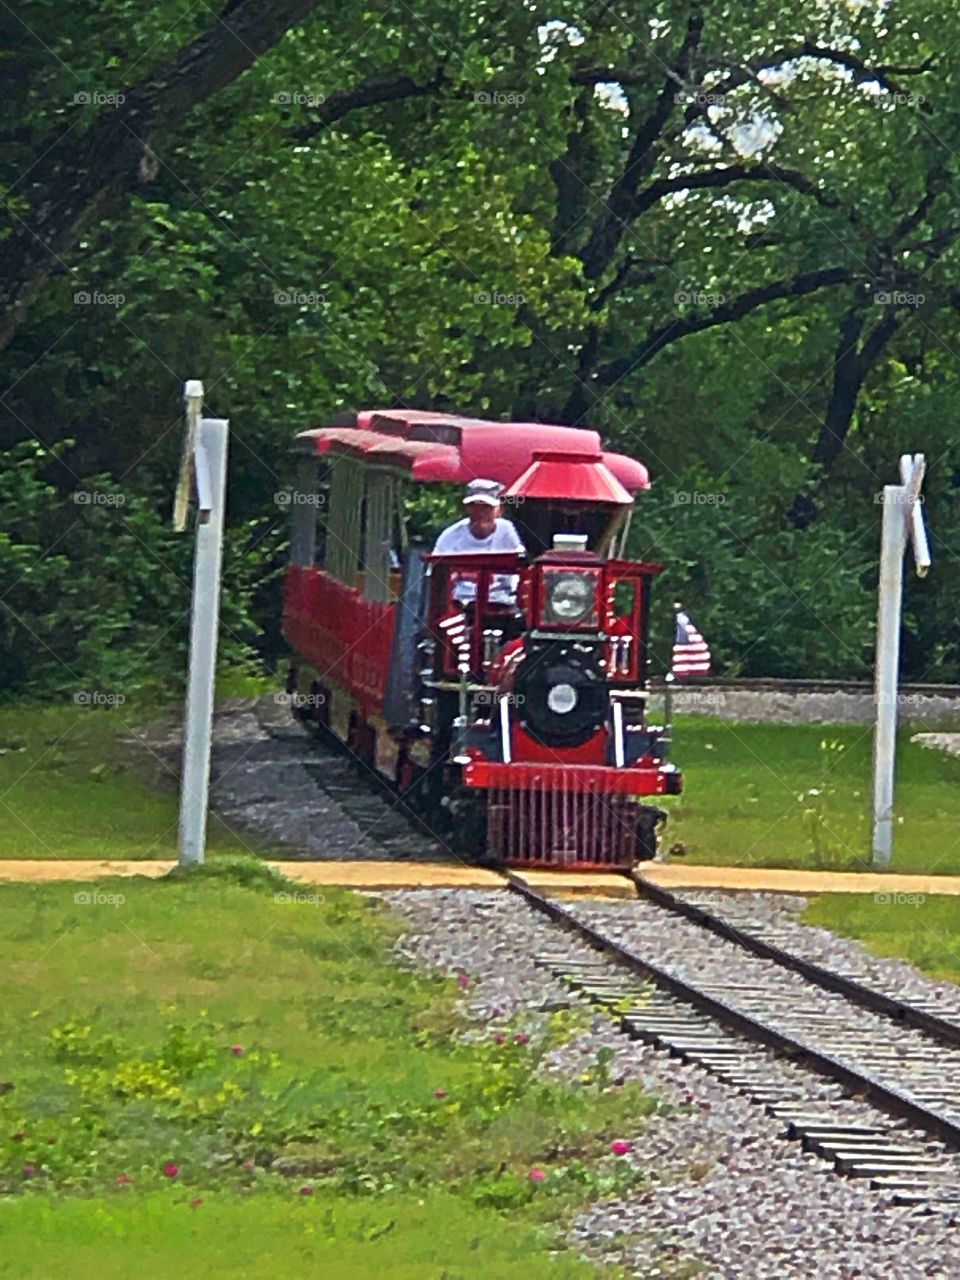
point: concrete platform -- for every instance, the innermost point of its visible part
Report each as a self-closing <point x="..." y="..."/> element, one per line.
<point x="451" y="875"/>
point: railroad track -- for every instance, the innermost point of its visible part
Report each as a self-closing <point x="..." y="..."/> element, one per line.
<point x="824" y="1053"/>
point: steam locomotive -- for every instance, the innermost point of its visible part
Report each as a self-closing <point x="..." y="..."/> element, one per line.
<point x="514" y="721"/>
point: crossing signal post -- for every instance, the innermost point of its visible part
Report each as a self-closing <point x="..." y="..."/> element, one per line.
<point x="203" y="475"/>
<point x="902" y="520"/>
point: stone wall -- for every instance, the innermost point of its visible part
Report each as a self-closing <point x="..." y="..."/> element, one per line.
<point x="787" y="705"/>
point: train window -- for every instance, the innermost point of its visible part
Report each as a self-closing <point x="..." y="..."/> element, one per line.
<point x="304" y="499"/>
<point x="624" y="597"/>
<point x="345" y="522"/>
<point x="379" y="510"/>
<point x="538" y="522"/>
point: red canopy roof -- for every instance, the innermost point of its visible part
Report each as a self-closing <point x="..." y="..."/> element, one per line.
<point x="571" y="477"/>
<point x="436" y="447"/>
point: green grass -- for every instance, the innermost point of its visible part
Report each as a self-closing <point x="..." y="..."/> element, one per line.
<point x="264" y="1046"/>
<point x="924" y="930"/>
<point x="71" y="787"/>
<point x="749" y="798"/>
<point x="160" y="1237"/>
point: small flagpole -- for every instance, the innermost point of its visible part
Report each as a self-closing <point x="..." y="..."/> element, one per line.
<point x="669" y="682"/>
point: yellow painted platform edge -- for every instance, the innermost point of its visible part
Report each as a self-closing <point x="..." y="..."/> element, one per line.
<point x="424" y="875"/>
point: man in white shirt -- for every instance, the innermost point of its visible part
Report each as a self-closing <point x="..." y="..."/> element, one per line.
<point x="484" y="529"/>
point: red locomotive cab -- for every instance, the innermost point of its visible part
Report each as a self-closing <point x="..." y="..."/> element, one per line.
<point x="551" y="719"/>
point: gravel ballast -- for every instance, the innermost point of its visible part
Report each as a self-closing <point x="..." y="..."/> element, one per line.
<point x="726" y="1191"/>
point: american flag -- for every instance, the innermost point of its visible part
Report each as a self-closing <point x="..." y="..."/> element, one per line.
<point x="691" y="654"/>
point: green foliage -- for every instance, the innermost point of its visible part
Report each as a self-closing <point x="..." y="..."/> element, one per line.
<point x="96" y="585"/>
<point x="437" y="245"/>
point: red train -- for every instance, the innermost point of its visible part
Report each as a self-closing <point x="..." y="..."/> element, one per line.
<point x="504" y="695"/>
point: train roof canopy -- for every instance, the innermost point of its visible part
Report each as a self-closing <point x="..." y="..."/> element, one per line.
<point x="441" y="447"/>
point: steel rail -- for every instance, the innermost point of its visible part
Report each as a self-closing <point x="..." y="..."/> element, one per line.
<point x="859" y="993"/>
<point x="861" y="1083"/>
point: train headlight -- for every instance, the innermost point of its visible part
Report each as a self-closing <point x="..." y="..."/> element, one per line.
<point x="570" y="598"/>
<point x="562" y="698"/>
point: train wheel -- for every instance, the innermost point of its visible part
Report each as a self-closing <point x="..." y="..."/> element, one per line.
<point x="466" y="811"/>
<point x="649" y="819"/>
<point x="408" y="775"/>
<point x="362" y="741"/>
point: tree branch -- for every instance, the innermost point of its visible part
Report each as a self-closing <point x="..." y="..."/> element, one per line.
<point x="367" y="93"/>
<point x="81" y="179"/>
<point x="708" y="178"/>
<point x="852" y="363"/>
<point x="735" y="309"/>
<point x="608" y="232"/>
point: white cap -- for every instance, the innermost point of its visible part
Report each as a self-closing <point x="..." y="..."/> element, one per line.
<point x="487" y="491"/>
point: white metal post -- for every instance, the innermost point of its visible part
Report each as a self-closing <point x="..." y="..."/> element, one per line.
<point x="211" y="472"/>
<point x="892" y="544"/>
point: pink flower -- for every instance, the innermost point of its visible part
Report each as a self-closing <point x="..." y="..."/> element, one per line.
<point x="521" y="1038"/>
<point x="237" y="1050"/>
<point x="171" y="1170"/>
<point x="249" y="1166"/>
<point x="29" y="1170"/>
<point x="620" y="1148"/>
<point x="306" y="1189"/>
<point x="499" y="1038"/>
<point x="439" y="1093"/>
<point x="123" y="1179"/>
<point x="537" y="1175"/>
<point x="463" y="981"/>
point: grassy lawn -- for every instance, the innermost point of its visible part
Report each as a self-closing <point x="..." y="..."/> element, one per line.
<point x="202" y="1077"/>
<point x="923" y="930"/>
<point x="796" y="796"/>
<point x="71" y="787"/>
